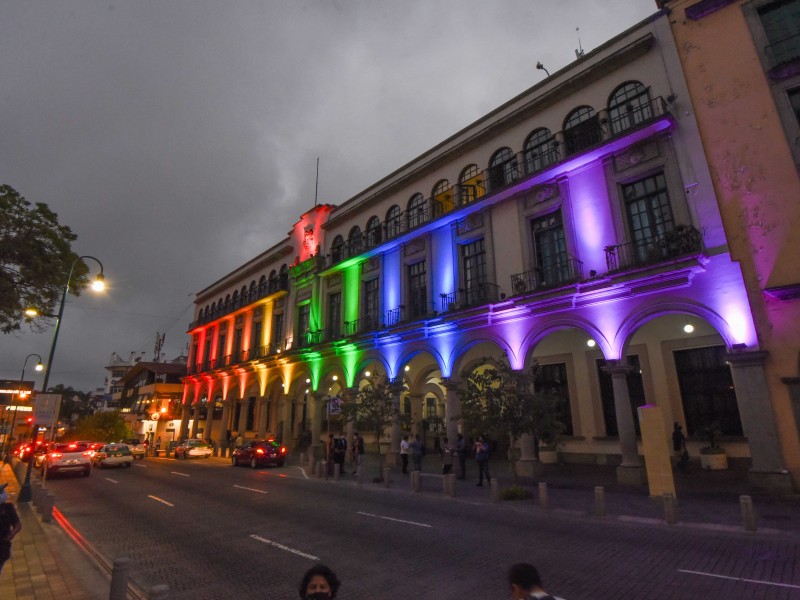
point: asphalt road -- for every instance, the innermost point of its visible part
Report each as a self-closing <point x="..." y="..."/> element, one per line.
<point x="212" y="531"/>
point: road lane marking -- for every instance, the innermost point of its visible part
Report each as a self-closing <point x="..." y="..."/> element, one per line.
<point x="241" y="487"/>
<point x="786" y="585"/>
<point x="111" y="480"/>
<point x="138" y="465"/>
<point x="181" y="474"/>
<point x="282" y="547"/>
<point x="157" y="499"/>
<point x="303" y="471"/>
<point x="397" y="520"/>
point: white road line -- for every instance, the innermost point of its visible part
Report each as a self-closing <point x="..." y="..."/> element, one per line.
<point x="157" y="499"/>
<point x="138" y="465"/>
<point x="111" y="480"/>
<point x="181" y="474"/>
<point x="282" y="547"/>
<point x="241" y="487"/>
<point x="396" y="520"/>
<point x="786" y="585"/>
<point x="303" y="471"/>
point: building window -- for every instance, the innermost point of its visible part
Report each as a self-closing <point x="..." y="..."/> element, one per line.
<point x="370" y="305"/>
<point x="469" y="185"/>
<point x="394" y="222"/>
<point x="335" y="315"/>
<point x="417" y="291"/>
<point x="220" y="348"/>
<point x="272" y="285"/>
<point x="553" y="378"/>
<point x="781" y="23"/>
<point x="628" y="106"/>
<point x="550" y="249"/>
<point x="540" y="150"/>
<point x="237" y="344"/>
<point x="581" y="130"/>
<point x="635" y="393"/>
<point x="502" y="168"/>
<point x="337" y="249"/>
<point x="416" y="211"/>
<point x="255" y="343"/>
<point x="442" y="197"/>
<point x="473" y="260"/>
<point x="706" y="385"/>
<point x="649" y="213"/>
<point x="354" y="241"/>
<point x="276" y="339"/>
<point x="373" y="232"/>
<point x="303" y="324"/>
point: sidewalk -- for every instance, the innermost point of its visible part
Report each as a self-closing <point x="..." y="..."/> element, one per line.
<point x="45" y="564"/>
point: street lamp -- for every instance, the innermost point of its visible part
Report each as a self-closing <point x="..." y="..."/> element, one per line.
<point x="39" y="367"/>
<point x="98" y="285"/>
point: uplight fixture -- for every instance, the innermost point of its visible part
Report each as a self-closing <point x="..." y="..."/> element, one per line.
<point x="591" y="343"/>
<point x="688" y="328"/>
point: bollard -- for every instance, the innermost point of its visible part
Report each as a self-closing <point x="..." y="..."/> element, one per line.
<point x="119" y="579"/>
<point x="543" y="494"/>
<point x="748" y="514"/>
<point x="495" y="485"/>
<point x="158" y="592"/>
<point x="450" y="478"/>
<point x="387" y="477"/>
<point x="599" y="501"/>
<point x="416" y="481"/>
<point x="47" y="507"/>
<point x="670" y="514"/>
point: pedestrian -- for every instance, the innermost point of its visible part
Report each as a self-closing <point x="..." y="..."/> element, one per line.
<point x="447" y="456"/>
<point x="404" y="453"/>
<point x="525" y="583"/>
<point x="417" y="450"/>
<point x="10" y="525"/>
<point x="482" y="458"/>
<point x="358" y="451"/>
<point x="239" y="440"/>
<point x="340" y="452"/>
<point x="679" y="446"/>
<point x="461" y="451"/>
<point x="319" y="583"/>
<point x="329" y="453"/>
<point x="158" y="443"/>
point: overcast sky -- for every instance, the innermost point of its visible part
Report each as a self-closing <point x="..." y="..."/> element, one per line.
<point x="179" y="138"/>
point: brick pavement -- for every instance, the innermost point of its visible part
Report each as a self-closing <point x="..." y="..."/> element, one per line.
<point x="38" y="569"/>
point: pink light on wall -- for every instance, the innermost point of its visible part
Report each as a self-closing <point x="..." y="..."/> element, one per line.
<point x="591" y="215"/>
<point x="307" y="232"/>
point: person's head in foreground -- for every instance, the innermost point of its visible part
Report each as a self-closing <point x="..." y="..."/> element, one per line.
<point x="319" y="583"/>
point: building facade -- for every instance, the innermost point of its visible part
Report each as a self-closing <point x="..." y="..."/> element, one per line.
<point x="575" y="227"/>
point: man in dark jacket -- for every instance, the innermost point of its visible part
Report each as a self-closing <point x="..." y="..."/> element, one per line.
<point x="9" y="525"/>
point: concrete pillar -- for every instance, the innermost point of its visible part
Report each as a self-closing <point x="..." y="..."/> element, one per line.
<point x="263" y="412"/>
<point x="184" y="427"/>
<point x="630" y="471"/>
<point x="241" y="426"/>
<point x="195" y="419"/>
<point x="758" y="420"/>
<point x="393" y="456"/>
<point x="417" y="414"/>
<point x="315" y="402"/>
<point x="285" y="408"/>
<point x="656" y="450"/>
<point x="298" y="418"/>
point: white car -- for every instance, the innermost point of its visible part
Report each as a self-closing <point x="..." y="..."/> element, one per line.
<point x="113" y="455"/>
<point x="193" y="449"/>
<point x="68" y="457"/>
<point x="138" y="449"/>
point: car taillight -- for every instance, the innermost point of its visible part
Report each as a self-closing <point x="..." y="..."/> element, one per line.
<point x="283" y="449"/>
<point x="97" y="454"/>
<point x="73" y="446"/>
<point x="259" y="451"/>
<point x="89" y="453"/>
<point x="55" y="455"/>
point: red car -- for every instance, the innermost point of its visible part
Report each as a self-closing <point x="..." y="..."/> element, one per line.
<point x="259" y="453"/>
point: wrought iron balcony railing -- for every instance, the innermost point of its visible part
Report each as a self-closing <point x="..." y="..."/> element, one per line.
<point x="682" y="241"/>
<point x="566" y="271"/>
<point x="475" y="295"/>
<point x="365" y="324"/>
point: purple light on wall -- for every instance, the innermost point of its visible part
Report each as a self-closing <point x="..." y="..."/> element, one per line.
<point x="390" y="280"/>
<point x="514" y="336"/>
<point x="442" y="270"/>
<point x="444" y="346"/>
<point x="591" y="214"/>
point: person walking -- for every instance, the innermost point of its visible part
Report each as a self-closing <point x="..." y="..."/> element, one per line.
<point x="461" y="452"/>
<point x="340" y="453"/>
<point x="417" y="450"/>
<point x="447" y="456"/>
<point x="404" y="453"/>
<point x="358" y="451"/>
<point x="482" y="458"/>
<point x="10" y="525"/>
<point x="525" y="583"/>
<point x="679" y="446"/>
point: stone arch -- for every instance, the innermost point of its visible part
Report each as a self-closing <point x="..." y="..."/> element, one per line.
<point x="540" y="332"/>
<point x="460" y="353"/>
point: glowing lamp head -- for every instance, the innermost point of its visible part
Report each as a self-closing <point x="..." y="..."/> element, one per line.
<point x="688" y="328"/>
<point x="99" y="283"/>
<point x="39" y="366"/>
<point x="367" y="374"/>
<point x="407" y="369"/>
<point x="591" y="343"/>
<point x="31" y="312"/>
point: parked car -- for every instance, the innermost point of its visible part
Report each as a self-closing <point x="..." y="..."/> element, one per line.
<point x="25" y="450"/>
<point x="41" y="453"/>
<point x="259" y="453"/>
<point x="69" y="457"/>
<point x="137" y="448"/>
<point x="113" y="455"/>
<point x="193" y="449"/>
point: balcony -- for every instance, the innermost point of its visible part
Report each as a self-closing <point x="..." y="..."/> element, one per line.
<point x="567" y="271"/>
<point x="475" y="295"/>
<point x="273" y="286"/>
<point x="684" y="240"/>
<point x="363" y="325"/>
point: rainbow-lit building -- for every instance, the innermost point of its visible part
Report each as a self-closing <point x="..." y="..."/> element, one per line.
<point x="575" y="226"/>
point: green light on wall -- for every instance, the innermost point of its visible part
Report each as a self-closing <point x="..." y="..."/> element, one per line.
<point x="352" y="288"/>
<point x="350" y="362"/>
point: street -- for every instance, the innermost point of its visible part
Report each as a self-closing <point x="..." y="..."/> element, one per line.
<point x="209" y="530"/>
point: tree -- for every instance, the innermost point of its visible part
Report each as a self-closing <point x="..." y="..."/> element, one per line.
<point x="101" y="427"/>
<point x="35" y="259"/>
<point x="504" y="404"/>
<point x="72" y="400"/>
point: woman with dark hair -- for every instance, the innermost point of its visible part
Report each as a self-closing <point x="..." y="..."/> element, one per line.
<point x="319" y="583"/>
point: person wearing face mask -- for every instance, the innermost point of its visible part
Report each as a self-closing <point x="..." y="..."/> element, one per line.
<point x="9" y="525"/>
<point x="319" y="583"/>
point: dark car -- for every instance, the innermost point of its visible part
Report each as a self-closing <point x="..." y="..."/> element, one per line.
<point x="259" y="454"/>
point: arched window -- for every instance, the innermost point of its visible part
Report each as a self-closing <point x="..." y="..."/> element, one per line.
<point x="220" y="306"/>
<point x="394" y="222"/>
<point x="469" y="185"/>
<point x="252" y="292"/>
<point x="235" y="300"/>
<point x="262" y="286"/>
<point x="442" y="197"/>
<point x="205" y="312"/>
<point x="374" y="237"/>
<point x="283" y="277"/>
<point x="227" y="302"/>
<point x="628" y="106"/>
<point x="540" y="150"/>
<point x="213" y="308"/>
<point x="337" y="249"/>
<point x="415" y="214"/>
<point x="354" y="240"/>
<point x="243" y="296"/>
<point x="273" y="282"/>
<point x="581" y="130"/>
<point x="502" y="168"/>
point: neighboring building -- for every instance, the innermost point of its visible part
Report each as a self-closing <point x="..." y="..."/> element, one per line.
<point x="117" y="367"/>
<point x="749" y="121"/>
<point x="575" y="226"/>
<point x="149" y="395"/>
<point x="15" y="407"/>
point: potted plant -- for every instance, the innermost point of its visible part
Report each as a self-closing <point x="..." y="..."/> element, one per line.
<point x="712" y="456"/>
<point x="547" y="426"/>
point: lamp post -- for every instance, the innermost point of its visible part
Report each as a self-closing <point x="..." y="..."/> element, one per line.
<point x="98" y="285"/>
<point x="39" y="367"/>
